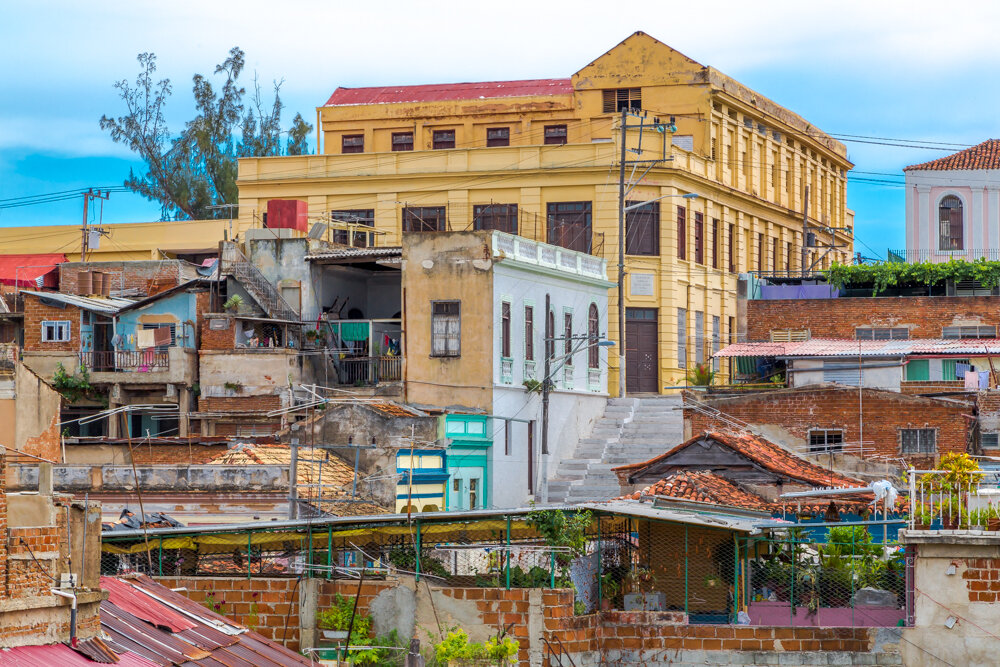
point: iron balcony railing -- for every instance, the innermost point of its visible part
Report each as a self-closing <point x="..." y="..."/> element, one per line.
<point x="365" y="371"/>
<point x="112" y="361"/>
<point x="927" y="255"/>
<point x="950" y="500"/>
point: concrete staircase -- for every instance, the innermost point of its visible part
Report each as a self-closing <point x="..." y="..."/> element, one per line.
<point x="631" y="430"/>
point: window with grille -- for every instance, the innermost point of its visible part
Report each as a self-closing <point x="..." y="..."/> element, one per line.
<point x="55" y="331"/>
<point x="498" y="136"/>
<point x="918" y="440"/>
<point x="881" y="333"/>
<point x="443" y="139"/>
<point x="505" y="329"/>
<point x="826" y="441"/>
<point x="593" y="333"/>
<point x="990" y="440"/>
<point x="681" y="232"/>
<point x="642" y="229"/>
<point x="173" y="334"/>
<point x="969" y="332"/>
<point x="501" y="217"/>
<point x="424" y="219"/>
<point x="616" y="99"/>
<point x="359" y="216"/>
<point x="570" y="225"/>
<point x="555" y="134"/>
<point x="352" y="143"/>
<point x="402" y="141"/>
<point x="446" y="328"/>
<point x="529" y="333"/>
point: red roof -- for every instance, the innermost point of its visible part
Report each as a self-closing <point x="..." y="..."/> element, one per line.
<point x="23" y="270"/>
<point x="122" y="594"/>
<point x="764" y="453"/>
<point x="981" y="156"/>
<point x="52" y="655"/>
<point x="705" y="487"/>
<point x="449" y="91"/>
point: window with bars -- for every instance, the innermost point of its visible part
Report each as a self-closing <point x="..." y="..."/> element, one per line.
<point x="593" y="333"/>
<point x="501" y="217"/>
<point x="498" y="136"/>
<point x="555" y="134"/>
<point x="505" y="329"/>
<point x="352" y="143"/>
<point x="969" y="332"/>
<point x="529" y="333"/>
<point x="990" y="440"/>
<point x="616" y="99"/>
<point x="642" y="229"/>
<point x="57" y="331"/>
<point x="569" y="225"/>
<point x="424" y="219"/>
<point x="681" y="232"/>
<point x="826" y="441"/>
<point x="443" y="139"/>
<point x="402" y="141"/>
<point x="881" y="333"/>
<point x="917" y="440"/>
<point x="358" y="216"/>
<point x="173" y="334"/>
<point x="446" y="328"/>
<point x="699" y="238"/>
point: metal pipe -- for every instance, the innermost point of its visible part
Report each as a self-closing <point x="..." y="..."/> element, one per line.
<point x="72" y="612"/>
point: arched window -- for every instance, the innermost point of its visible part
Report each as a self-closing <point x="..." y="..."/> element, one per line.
<point x="950" y="223"/>
<point x="593" y="332"/>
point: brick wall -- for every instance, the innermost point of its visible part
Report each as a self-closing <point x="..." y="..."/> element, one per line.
<point x="35" y="313"/>
<point x="837" y="318"/>
<point x="217" y="339"/>
<point x="176" y="454"/>
<point x="148" y="277"/>
<point x="982" y="579"/>
<point x="3" y="524"/>
<point x="33" y="559"/>
<point x="828" y="406"/>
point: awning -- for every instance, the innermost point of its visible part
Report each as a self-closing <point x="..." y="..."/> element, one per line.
<point x="26" y="270"/>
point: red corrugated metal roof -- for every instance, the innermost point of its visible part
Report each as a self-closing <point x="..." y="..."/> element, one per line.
<point x="134" y="601"/>
<point x="24" y="270"/>
<point x="449" y="91"/>
<point x="60" y="655"/>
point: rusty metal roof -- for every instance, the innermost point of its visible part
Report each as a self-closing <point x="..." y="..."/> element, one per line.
<point x="60" y="655"/>
<point x="435" y="92"/>
<point x="845" y="347"/>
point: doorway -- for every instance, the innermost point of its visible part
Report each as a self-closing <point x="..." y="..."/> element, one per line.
<point x="642" y="361"/>
<point x="466" y="488"/>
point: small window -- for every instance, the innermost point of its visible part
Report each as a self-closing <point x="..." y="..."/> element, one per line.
<point x="969" y="332"/>
<point x="555" y="134"/>
<point x="593" y="333"/>
<point x="505" y="329"/>
<point x="826" y="441"/>
<point x="789" y="335"/>
<point x="498" y="136"/>
<point x="918" y="440"/>
<point x="352" y="143"/>
<point x="990" y="440"/>
<point x="529" y="333"/>
<point x="501" y="217"/>
<point x="881" y="333"/>
<point x="446" y="328"/>
<point x="424" y="219"/>
<point x="402" y="141"/>
<point x="55" y="332"/>
<point x="617" y="99"/>
<point x="444" y="139"/>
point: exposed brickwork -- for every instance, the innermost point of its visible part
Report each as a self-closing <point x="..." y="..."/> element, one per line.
<point x="982" y="578"/>
<point x="148" y="277"/>
<point x="238" y="403"/>
<point x="32" y="565"/>
<point x="176" y="454"/>
<point x="837" y="318"/>
<point x="35" y="313"/>
<point x="217" y="339"/>
<point x="822" y="407"/>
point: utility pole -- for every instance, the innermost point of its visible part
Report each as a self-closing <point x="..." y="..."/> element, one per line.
<point x="87" y="196"/>
<point x="621" y="261"/>
<point x="549" y="340"/>
<point x="805" y="229"/>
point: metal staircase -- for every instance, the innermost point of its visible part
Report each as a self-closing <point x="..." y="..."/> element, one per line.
<point x="236" y="264"/>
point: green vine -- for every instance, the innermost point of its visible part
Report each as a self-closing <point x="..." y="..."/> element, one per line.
<point x="72" y="387"/>
<point x="884" y="275"/>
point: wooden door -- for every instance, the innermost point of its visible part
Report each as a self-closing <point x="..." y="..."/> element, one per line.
<point x="642" y="361"/>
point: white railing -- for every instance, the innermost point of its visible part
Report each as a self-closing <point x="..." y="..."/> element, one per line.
<point x="506" y="370"/>
<point x="567" y="377"/>
<point x="594" y="379"/>
<point x="946" y="500"/>
<point x="544" y="254"/>
<point x="529" y="370"/>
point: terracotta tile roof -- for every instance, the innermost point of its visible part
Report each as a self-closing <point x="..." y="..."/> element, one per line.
<point x="981" y="156"/>
<point x="449" y="91"/>
<point x="705" y="487"/>
<point x="332" y="470"/>
<point x="763" y="452"/>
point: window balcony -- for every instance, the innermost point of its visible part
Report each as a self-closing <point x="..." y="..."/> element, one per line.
<point x="567" y="377"/>
<point x="125" y="361"/>
<point x="529" y="370"/>
<point x="594" y="379"/>
<point x="506" y="370"/>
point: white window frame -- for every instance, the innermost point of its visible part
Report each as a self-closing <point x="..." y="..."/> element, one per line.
<point x="446" y="330"/>
<point x="61" y="331"/>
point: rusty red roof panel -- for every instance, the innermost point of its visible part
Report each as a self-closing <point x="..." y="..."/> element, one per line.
<point x="126" y="596"/>
<point x="436" y="92"/>
<point x="705" y="487"/>
<point x="981" y="156"/>
<point x="60" y="655"/>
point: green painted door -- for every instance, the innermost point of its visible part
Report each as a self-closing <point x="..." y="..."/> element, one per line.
<point x="918" y="370"/>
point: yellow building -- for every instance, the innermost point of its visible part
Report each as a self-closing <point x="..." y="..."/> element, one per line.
<point x="540" y="158"/>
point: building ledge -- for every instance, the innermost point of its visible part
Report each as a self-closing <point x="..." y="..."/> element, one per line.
<point x="48" y="601"/>
<point x="967" y="537"/>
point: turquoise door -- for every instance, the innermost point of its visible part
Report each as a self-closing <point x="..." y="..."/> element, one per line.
<point x="466" y="489"/>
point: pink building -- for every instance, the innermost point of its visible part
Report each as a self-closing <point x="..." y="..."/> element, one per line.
<point x="953" y="205"/>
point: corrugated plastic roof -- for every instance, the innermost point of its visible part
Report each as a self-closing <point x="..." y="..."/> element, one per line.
<point x="106" y="304"/>
<point x="449" y="91"/>
<point x="351" y="253"/>
<point x="844" y="347"/>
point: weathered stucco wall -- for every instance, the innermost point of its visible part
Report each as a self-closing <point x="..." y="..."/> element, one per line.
<point x="37" y="425"/>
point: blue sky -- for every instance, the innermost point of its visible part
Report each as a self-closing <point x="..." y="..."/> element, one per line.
<point x="876" y="69"/>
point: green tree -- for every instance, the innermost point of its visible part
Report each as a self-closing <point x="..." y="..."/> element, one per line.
<point x="192" y="174"/>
